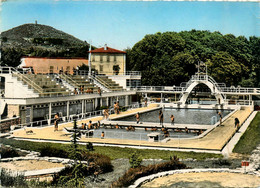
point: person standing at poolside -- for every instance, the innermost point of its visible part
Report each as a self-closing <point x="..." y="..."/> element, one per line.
<point x="145" y="102"/>
<point x="236" y="124"/>
<point x="137" y="116"/>
<point x="56" y="121"/>
<point x="117" y="107"/>
<point x="220" y="118"/>
<point x="107" y="114"/>
<point x="172" y="119"/>
<point x="90" y="125"/>
<point x="161" y="117"/>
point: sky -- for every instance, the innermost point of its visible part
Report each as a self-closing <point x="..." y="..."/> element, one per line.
<point x="121" y="24"/>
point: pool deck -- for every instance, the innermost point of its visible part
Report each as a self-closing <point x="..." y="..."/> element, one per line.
<point x="215" y="140"/>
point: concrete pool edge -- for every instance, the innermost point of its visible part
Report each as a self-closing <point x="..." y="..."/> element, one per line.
<point x="213" y="147"/>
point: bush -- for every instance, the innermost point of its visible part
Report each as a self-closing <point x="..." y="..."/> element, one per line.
<point x="222" y="162"/>
<point x="89" y="146"/>
<point x="102" y="161"/>
<point x="53" y="152"/>
<point x="135" y="160"/>
<point x="134" y="173"/>
<point x="8" y="180"/>
<point x="71" y="176"/>
<point x="7" y="152"/>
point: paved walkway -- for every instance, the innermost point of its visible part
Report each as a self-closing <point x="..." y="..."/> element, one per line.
<point x="215" y="140"/>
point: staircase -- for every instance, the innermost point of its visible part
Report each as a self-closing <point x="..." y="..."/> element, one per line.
<point x="80" y="80"/>
<point x="42" y="84"/>
<point x="108" y="83"/>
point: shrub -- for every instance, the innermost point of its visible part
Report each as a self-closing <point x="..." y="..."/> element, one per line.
<point x="134" y="173"/>
<point x="9" y="180"/>
<point x="71" y="176"/>
<point x="222" y="162"/>
<point x="103" y="162"/>
<point x="53" y="152"/>
<point x="7" y="152"/>
<point x="135" y="160"/>
<point x="89" y="146"/>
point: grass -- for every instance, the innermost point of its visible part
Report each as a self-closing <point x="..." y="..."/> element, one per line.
<point x="112" y="152"/>
<point x="250" y="139"/>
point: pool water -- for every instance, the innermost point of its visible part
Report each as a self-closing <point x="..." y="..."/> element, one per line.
<point x="182" y="116"/>
<point x="138" y="134"/>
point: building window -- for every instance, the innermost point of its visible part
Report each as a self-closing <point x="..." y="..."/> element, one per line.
<point x="101" y="58"/>
<point x="93" y="67"/>
<point x="114" y="57"/>
<point x="51" y="69"/>
<point x="100" y="68"/>
<point x="108" y="58"/>
<point x="93" y="58"/>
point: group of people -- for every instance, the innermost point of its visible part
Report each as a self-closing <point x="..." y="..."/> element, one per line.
<point x="90" y="125"/>
<point x="236" y="121"/>
<point x="137" y="116"/>
<point x="130" y="128"/>
<point x="116" y="107"/>
<point x="81" y="90"/>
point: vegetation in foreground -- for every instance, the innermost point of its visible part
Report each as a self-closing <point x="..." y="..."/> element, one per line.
<point x="61" y="150"/>
<point x="9" y="180"/>
<point x="7" y="152"/>
<point x="251" y="138"/>
<point x="140" y="171"/>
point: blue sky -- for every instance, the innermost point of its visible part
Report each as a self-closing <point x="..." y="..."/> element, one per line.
<point x="122" y="24"/>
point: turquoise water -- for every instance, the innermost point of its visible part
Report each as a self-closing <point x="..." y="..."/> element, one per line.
<point x="182" y="116"/>
<point x="138" y="134"/>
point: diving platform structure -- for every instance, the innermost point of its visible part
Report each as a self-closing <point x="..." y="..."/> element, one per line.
<point x="219" y="90"/>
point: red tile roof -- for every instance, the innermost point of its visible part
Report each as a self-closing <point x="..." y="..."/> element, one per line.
<point x="108" y="50"/>
<point x="69" y="58"/>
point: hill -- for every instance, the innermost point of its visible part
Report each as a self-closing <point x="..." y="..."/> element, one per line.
<point x="42" y="36"/>
<point x="40" y="41"/>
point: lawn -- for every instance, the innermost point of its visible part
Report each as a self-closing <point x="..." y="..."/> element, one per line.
<point x="112" y="152"/>
<point x="251" y="138"/>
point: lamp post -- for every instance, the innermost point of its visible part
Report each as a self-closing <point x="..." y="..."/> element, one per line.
<point x="89" y="60"/>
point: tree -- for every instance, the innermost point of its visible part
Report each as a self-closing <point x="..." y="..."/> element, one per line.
<point x="165" y="58"/>
<point x="74" y="176"/>
<point x="135" y="160"/>
<point x="116" y="69"/>
<point x="224" y="68"/>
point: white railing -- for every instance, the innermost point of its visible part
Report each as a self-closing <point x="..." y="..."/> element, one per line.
<point x="100" y="83"/>
<point x="161" y="88"/>
<point x="240" y="90"/>
<point x="199" y="77"/>
<point x="238" y="102"/>
<point x="79" y="116"/>
<point x="135" y="73"/>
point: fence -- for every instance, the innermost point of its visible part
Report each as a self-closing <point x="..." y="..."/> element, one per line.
<point x="80" y="116"/>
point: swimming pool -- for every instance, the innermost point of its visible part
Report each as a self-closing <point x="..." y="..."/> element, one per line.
<point x="182" y="116"/>
<point x="138" y="134"/>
